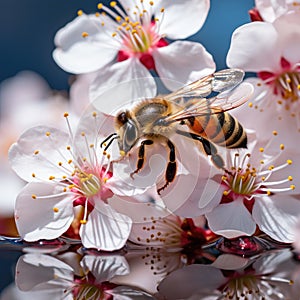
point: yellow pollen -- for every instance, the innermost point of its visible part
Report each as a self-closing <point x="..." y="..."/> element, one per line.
<point x="105" y="179"/>
<point x="33" y="175"/>
<point x="33" y="196"/>
<point x="92" y="145"/>
<point x="226" y="193"/>
<point x="64" y="189"/>
<point x="275" y="132"/>
<point x="79" y="12"/>
<point x="281" y="146"/>
<point x="271" y="168"/>
<point x="261" y="149"/>
<point x="279" y="102"/>
<point x="224" y="178"/>
<point x="94" y="114"/>
<point x="268" y="193"/>
<point x="263" y="178"/>
<point x="102" y="23"/>
<point x="55" y="209"/>
<point x="71" y="186"/>
<point x="108" y="156"/>
<point x="83" y="222"/>
<point x="84" y="34"/>
<point x="113" y="34"/>
<point x="51" y="177"/>
<point x="290" y="178"/>
<point x="262" y="162"/>
<point x="66" y="114"/>
<point x="104" y="152"/>
<point x="250" y="104"/>
<point x="68" y="147"/>
<point x="100" y="5"/>
<point x="122" y="153"/>
<point x="133" y="31"/>
<point x="298" y="86"/>
<point x="64" y="177"/>
<point x="151" y="2"/>
<point x="127" y="19"/>
<point x="60" y="163"/>
<point x="292" y="187"/>
<point x="36" y="152"/>
<point x="82" y="134"/>
<point x="48" y="133"/>
<point x="289" y="162"/>
<point x="70" y="161"/>
<point x="162" y="10"/>
<point x="118" y="18"/>
<point x="113" y="3"/>
<point x="97" y="14"/>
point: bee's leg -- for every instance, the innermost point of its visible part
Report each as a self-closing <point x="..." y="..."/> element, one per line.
<point x="171" y="167"/>
<point x="141" y="156"/>
<point x="209" y="148"/>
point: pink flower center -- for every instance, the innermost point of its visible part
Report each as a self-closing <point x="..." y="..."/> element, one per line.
<point x="285" y="84"/>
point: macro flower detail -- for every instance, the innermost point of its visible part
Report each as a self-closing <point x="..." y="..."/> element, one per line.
<point x="253" y="191"/>
<point x="275" y="59"/>
<point x="124" y="41"/>
<point x="69" y="184"/>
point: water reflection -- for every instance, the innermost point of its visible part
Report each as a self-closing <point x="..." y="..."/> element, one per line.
<point x="54" y="272"/>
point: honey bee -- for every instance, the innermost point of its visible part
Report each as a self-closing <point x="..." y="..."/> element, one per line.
<point x="156" y="120"/>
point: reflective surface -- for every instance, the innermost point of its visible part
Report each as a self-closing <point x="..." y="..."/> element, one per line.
<point x="246" y="268"/>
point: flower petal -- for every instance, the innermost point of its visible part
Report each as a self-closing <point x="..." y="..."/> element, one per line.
<point x="288" y="30"/>
<point x="277" y="216"/>
<point x="254" y="47"/>
<point x="105" y="229"/>
<point x="231" y="220"/>
<point x="121" y="84"/>
<point x="43" y="218"/>
<point x="38" y="151"/>
<point x="182" y="62"/>
<point x="36" y="272"/>
<point x="78" y="54"/>
<point x="183" y="18"/>
<point x="104" y="268"/>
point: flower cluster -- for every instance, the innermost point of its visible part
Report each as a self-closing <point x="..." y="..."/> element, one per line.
<point x="173" y="170"/>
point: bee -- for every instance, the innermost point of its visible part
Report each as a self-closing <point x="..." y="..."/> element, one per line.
<point x="207" y="119"/>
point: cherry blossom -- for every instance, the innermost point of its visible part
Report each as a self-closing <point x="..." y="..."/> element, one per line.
<point x="275" y="59"/>
<point x="126" y="39"/>
<point x="71" y="276"/>
<point x="267" y="276"/>
<point x="69" y="183"/>
<point x="257" y="191"/>
<point x="269" y="10"/>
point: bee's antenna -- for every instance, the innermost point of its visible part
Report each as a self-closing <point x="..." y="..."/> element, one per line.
<point x="110" y="138"/>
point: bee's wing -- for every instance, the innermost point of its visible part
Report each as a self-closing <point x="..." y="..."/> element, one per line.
<point x="216" y="82"/>
<point x="224" y="101"/>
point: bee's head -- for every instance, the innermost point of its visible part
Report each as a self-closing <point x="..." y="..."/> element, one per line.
<point x="127" y="131"/>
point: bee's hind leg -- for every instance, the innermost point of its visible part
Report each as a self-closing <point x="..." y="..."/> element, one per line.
<point x="209" y="148"/>
<point x="171" y="167"/>
<point x="141" y="156"/>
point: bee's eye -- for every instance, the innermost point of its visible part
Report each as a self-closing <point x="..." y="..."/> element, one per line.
<point x="130" y="134"/>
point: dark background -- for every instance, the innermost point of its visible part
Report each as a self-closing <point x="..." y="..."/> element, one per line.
<point x="27" y="29"/>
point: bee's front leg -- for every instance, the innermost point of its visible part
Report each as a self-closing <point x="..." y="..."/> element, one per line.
<point x="141" y="156"/>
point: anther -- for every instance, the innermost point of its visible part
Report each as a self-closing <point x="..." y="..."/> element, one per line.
<point x="79" y="12"/>
<point x="84" y="34"/>
<point x="55" y="209"/>
<point x="33" y="196"/>
<point x="281" y="146"/>
<point x="36" y="152"/>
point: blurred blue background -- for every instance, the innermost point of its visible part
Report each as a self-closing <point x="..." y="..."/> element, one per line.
<point x="28" y="28"/>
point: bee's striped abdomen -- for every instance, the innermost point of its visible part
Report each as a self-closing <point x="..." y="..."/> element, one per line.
<point x="221" y="128"/>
